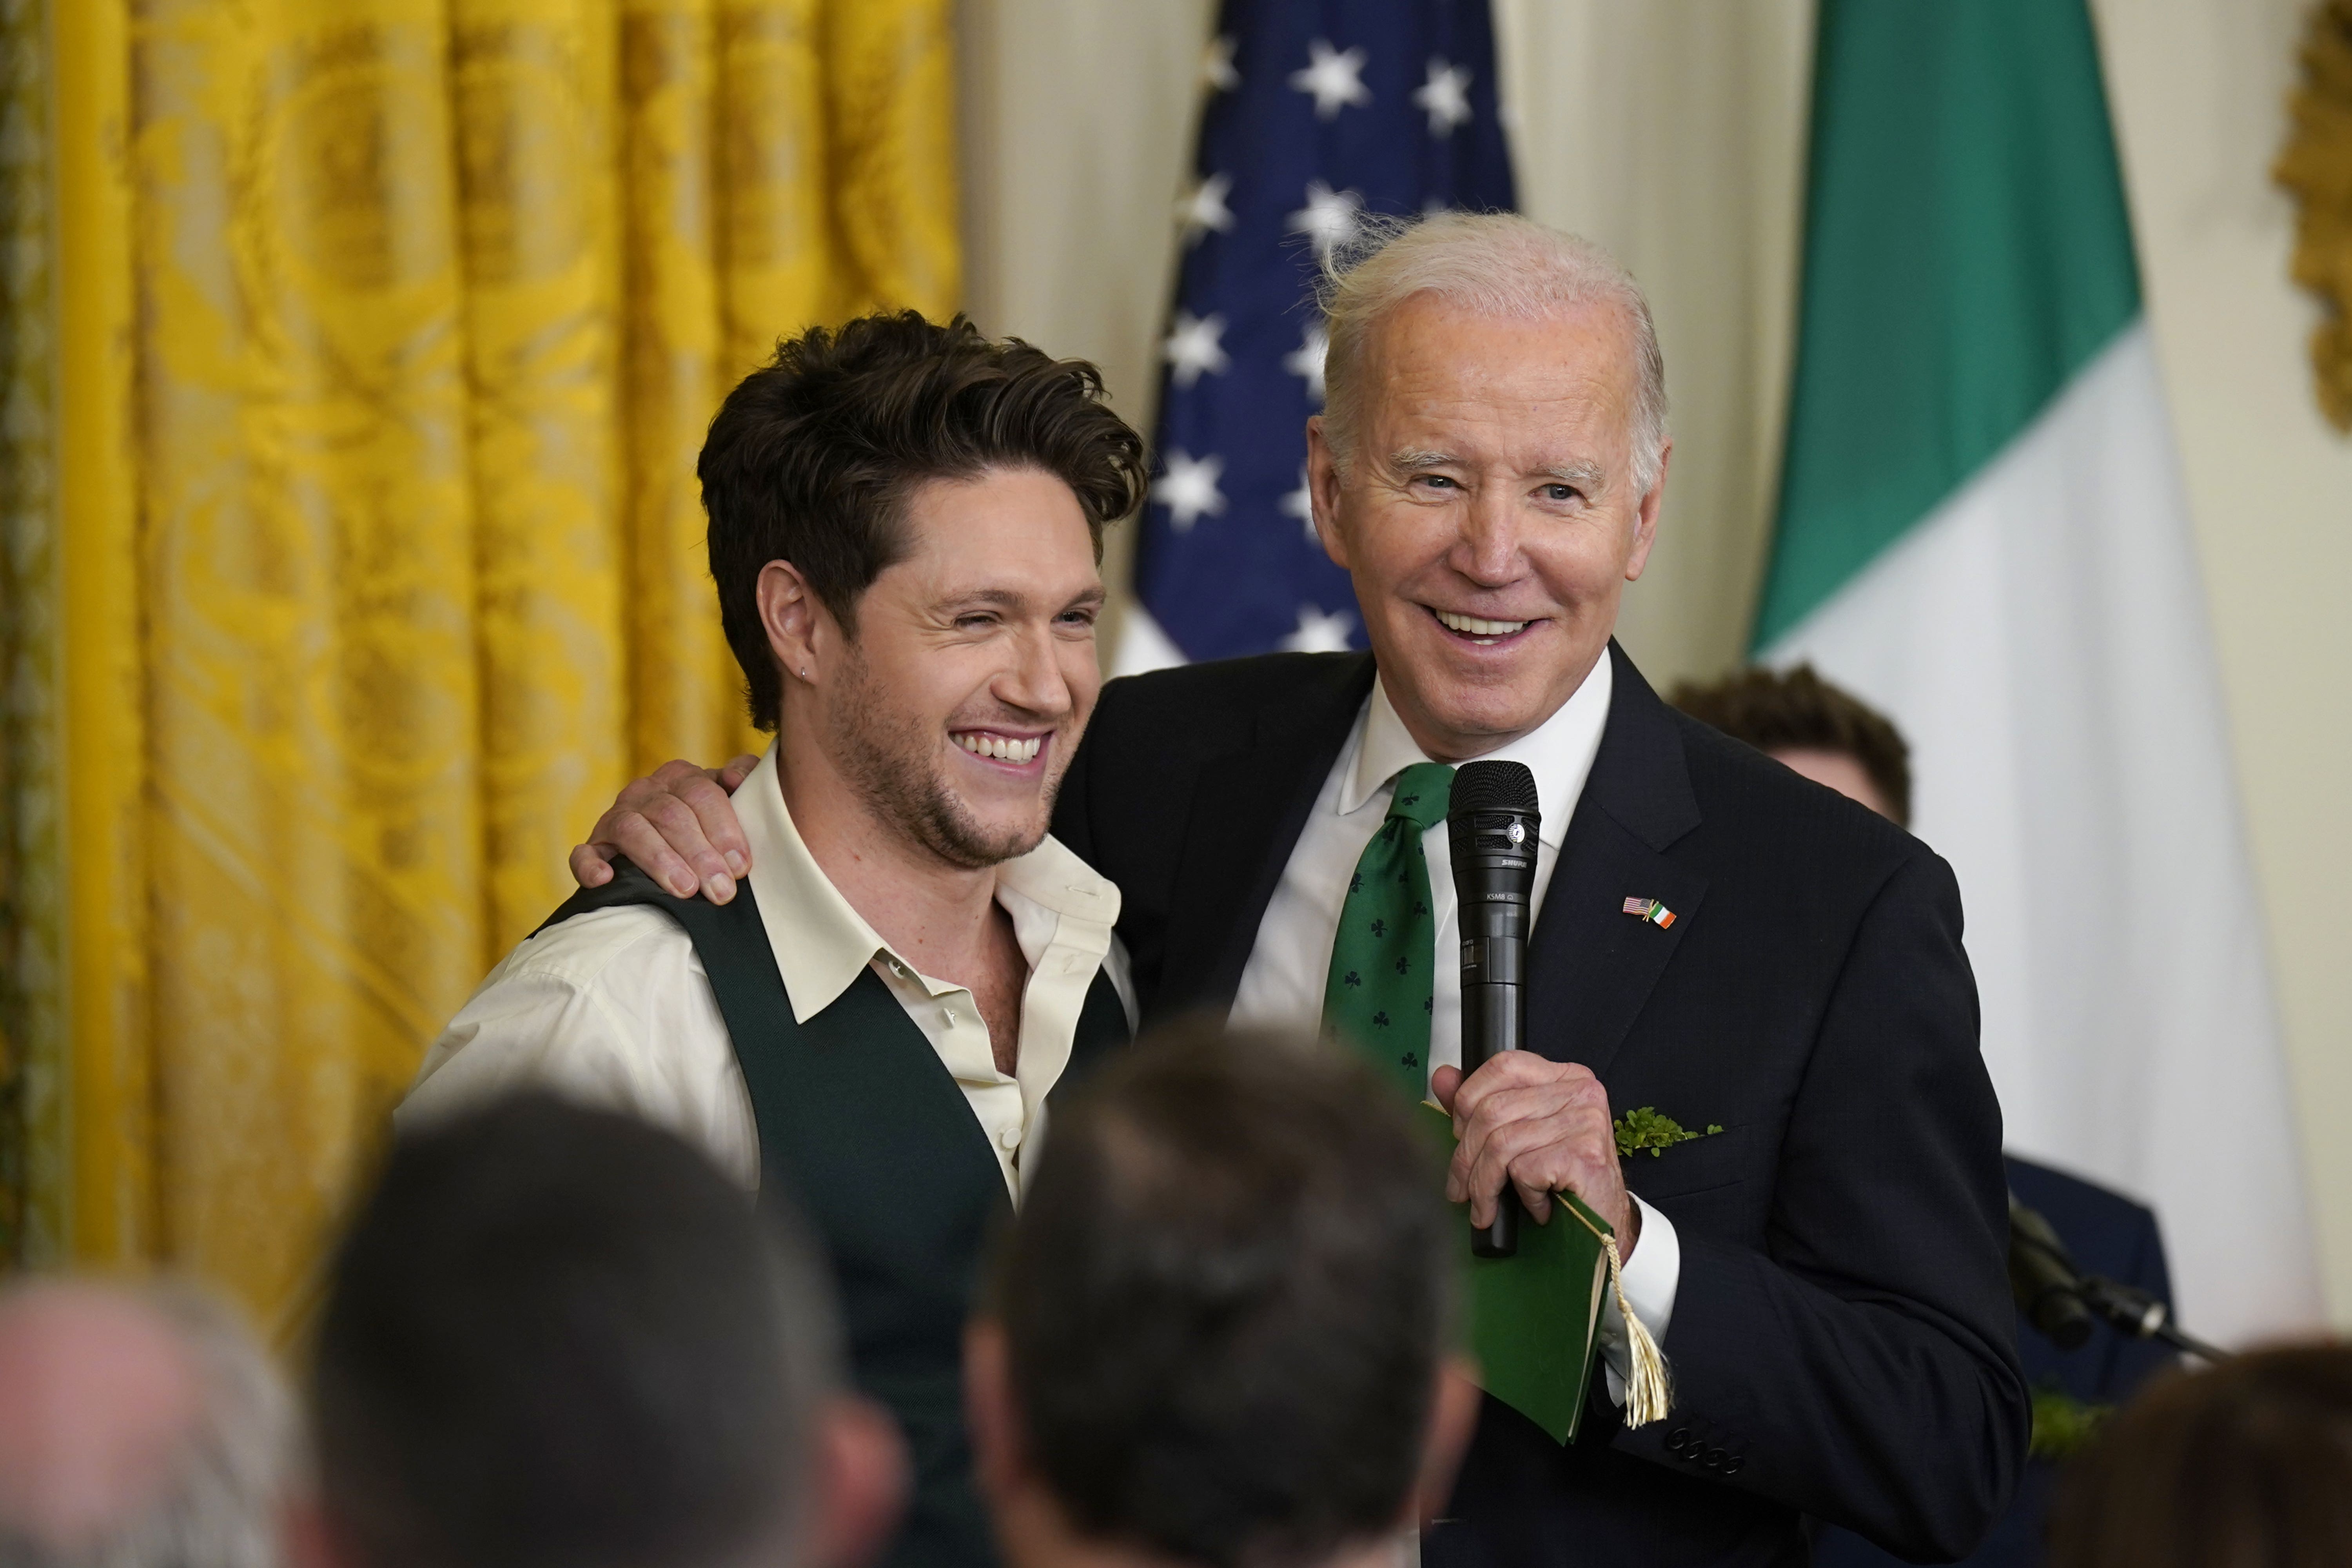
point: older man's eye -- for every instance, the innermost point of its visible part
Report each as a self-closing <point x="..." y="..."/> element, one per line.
<point x="1560" y="492"/>
<point x="1437" y="481"/>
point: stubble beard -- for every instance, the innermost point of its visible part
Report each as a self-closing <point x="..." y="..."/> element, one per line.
<point x="893" y="762"/>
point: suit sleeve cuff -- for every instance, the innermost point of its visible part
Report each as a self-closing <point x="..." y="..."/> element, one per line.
<point x="1650" y="1279"/>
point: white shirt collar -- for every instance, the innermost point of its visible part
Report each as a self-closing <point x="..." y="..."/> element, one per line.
<point x="1558" y="752"/>
<point x="821" y="942"/>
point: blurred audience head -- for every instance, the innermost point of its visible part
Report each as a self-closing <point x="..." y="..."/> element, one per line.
<point x="1219" y="1333"/>
<point x="558" y="1338"/>
<point x="1830" y="736"/>
<point x="140" y="1428"/>
<point x="2246" y="1464"/>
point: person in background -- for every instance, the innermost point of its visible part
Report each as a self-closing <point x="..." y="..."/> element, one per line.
<point x="140" y="1428"/>
<point x="557" y="1337"/>
<point x="1219" y="1335"/>
<point x="1814" y="729"/>
<point x="2246" y="1464"/>
<point x="1834" y="739"/>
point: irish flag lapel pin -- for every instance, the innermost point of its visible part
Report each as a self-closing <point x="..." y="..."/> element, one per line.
<point x="1649" y="910"/>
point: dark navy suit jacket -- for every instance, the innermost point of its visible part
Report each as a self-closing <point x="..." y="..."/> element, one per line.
<point x="1843" y="1341"/>
<point x="2108" y="1234"/>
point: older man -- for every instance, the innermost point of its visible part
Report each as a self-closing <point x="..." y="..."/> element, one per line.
<point x="1717" y="939"/>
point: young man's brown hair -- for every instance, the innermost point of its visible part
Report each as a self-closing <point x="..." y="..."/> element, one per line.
<point x="813" y="456"/>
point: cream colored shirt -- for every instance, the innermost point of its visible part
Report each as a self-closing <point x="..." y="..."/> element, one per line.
<point x="612" y="1008"/>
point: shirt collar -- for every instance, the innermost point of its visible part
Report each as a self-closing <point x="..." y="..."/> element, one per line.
<point x="821" y="943"/>
<point x="1558" y="752"/>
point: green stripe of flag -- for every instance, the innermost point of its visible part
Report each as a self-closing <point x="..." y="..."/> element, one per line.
<point x="1966" y="250"/>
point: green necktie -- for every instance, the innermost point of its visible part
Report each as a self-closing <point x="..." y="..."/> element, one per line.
<point x="1384" y="956"/>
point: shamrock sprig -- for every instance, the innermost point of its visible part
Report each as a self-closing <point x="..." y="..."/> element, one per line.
<point x="2063" y="1425"/>
<point x="1643" y="1128"/>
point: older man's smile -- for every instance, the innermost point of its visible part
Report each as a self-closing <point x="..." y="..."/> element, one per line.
<point x="1480" y="631"/>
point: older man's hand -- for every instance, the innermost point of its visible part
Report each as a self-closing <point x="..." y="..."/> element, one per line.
<point x="679" y="826"/>
<point x="1543" y="1127"/>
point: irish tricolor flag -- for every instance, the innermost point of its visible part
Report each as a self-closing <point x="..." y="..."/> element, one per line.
<point x="1983" y="530"/>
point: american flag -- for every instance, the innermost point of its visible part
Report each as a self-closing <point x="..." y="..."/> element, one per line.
<point x="1317" y="112"/>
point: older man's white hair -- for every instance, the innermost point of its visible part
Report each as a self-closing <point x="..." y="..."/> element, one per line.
<point x="1494" y="264"/>
<point x="85" y="1485"/>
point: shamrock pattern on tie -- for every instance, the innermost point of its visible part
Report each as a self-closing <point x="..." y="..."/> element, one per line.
<point x="1382" y="990"/>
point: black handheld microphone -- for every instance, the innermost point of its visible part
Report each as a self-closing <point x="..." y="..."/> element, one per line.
<point x="1490" y="829"/>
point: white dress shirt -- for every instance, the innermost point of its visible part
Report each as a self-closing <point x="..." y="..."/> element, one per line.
<point x="612" y="1008"/>
<point x="1282" y="987"/>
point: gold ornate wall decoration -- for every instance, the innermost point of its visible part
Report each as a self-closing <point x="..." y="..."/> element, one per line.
<point x="2316" y="166"/>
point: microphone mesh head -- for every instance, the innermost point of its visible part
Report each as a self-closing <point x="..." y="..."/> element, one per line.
<point x="1493" y="787"/>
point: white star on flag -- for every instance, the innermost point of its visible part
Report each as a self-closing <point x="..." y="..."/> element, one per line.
<point x="1319" y="632"/>
<point x="1217" y="73"/>
<point x="1446" y="96"/>
<point x="1192" y="346"/>
<point x="1189" y="489"/>
<point x="1329" y="218"/>
<point x="1300" y="503"/>
<point x="1306" y="361"/>
<point x="1203" y="208"/>
<point x="1335" y="79"/>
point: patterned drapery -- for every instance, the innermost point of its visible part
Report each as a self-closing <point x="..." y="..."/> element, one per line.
<point x="356" y="356"/>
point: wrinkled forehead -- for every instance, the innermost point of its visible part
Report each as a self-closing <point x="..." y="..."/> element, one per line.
<point x="1441" y="373"/>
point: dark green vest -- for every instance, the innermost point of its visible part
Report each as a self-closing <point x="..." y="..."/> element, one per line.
<point x="862" y="1124"/>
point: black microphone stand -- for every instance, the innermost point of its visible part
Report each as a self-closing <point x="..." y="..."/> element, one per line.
<point x="2061" y="1301"/>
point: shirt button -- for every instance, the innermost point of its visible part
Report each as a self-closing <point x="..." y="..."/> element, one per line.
<point x="1009" y="1138"/>
<point x="949" y="1013"/>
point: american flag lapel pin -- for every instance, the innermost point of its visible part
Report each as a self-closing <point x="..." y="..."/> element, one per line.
<point x="1651" y="910"/>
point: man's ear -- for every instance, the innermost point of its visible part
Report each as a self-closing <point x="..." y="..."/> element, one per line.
<point x="1323" y="492"/>
<point x="859" y="1489"/>
<point x="1645" y="516"/>
<point x="801" y="630"/>
<point x="1453" y="1417"/>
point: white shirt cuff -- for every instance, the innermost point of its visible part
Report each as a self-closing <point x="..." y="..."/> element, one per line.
<point x="1650" y="1279"/>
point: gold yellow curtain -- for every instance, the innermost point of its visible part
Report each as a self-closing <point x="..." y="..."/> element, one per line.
<point x="362" y="558"/>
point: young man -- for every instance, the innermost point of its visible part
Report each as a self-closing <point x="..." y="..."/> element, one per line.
<point x="558" y="1338"/>
<point x="1220" y="1335"/>
<point x="905" y="524"/>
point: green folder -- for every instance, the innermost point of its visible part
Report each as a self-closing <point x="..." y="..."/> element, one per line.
<point x="1533" y="1320"/>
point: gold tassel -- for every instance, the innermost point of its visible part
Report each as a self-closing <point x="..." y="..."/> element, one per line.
<point x="1647" y="1391"/>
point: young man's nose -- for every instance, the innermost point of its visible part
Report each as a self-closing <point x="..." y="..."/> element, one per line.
<point x="1035" y="680"/>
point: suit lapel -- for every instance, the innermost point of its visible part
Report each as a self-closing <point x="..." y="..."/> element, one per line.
<point x="1592" y="965"/>
<point x="1249" y="805"/>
